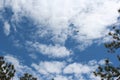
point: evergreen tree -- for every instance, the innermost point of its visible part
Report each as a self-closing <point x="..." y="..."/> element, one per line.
<point x="7" y="70"/>
<point x="108" y="71"/>
<point x="27" y="76"/>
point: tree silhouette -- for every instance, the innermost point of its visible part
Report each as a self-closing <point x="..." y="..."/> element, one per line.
<point x="115" y="43"/>
<point x="27" y="76"/>
<point x="7" y="70"/>
<point x="109" y="71"/>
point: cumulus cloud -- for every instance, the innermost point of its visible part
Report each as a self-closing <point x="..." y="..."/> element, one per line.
<point x="59" y="70"/>
<point x="49" y="67"/>
<point x="53" y="51"/>
<point x="77" y="68"/>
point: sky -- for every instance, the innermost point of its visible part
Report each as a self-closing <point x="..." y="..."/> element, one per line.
<point x="60" y="39"/>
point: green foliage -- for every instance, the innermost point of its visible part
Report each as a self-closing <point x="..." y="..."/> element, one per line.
<point x="27" y="77"/>
<point x="7" y="70"/>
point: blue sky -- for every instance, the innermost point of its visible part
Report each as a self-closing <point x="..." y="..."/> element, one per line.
<point x="61" y="39"/>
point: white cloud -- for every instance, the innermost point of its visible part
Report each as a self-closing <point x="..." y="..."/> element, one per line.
<point x="82" y="71"/>
<point x="77" y="68"/>
<point x="13" y="60"/>
<point x="1" y="4"/>
<point x="54" y="67"/>
<point x="33" y="56"/>
<point x="46" y="70"/>
<point x="59" y="77"/>
<point x="53" y="51"/>
<point x="6" y="28"/>
<point x="90" y="18"/>
<point x="62" y="70"/>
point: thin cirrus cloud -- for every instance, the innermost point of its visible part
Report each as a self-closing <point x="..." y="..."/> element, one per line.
<point x="82" y="20"/>
<point x="6" y="28"/>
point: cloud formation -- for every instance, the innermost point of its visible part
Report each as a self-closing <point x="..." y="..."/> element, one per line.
<point x="86" y="16"/>
<point x="52" y="51"/>
<point x="55" y="67"/>
<point x="53" y="24"/>
<point x="46" y="70"/>
<point x="83" y="21"/>
<point x="62" y="70"/>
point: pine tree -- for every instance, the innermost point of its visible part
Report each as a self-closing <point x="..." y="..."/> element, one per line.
<point x="7" y="70"/>
<point x="27" y="76"/>
<point x="108" y="71"/>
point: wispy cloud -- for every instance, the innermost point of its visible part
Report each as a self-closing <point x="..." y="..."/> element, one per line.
<point x="6" y="28"/>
